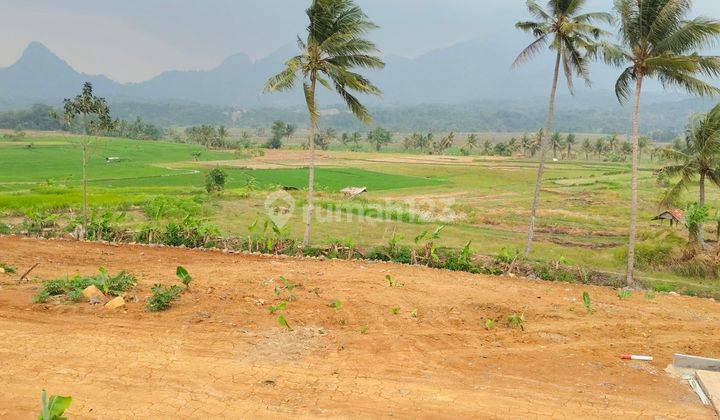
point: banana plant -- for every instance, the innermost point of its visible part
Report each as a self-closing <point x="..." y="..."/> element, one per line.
<point x="54" y="407"/>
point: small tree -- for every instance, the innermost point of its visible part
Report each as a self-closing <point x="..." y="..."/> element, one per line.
<point x="379" y="137"/>
<point x="351" y="141"/>
<point x="280" y="130"/>
<point x="96" y="118"/>
<point x="215" y="180"/>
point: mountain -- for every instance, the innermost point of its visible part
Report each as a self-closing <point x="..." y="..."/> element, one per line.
<point x="469" y="71"/>
<point x="40" y="76"/>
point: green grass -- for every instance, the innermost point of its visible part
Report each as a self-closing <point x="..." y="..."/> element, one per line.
<point x="583" y="214"/>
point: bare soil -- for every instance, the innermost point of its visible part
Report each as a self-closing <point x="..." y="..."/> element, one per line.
<point x="219" y="353"/>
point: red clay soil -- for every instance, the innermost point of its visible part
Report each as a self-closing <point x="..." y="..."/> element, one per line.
<point x="219" y="353"/>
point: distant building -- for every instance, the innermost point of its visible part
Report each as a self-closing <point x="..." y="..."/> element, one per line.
<point x="675" y="216"/>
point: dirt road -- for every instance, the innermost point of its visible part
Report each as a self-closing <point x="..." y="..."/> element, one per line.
<point x="219" y="353"/>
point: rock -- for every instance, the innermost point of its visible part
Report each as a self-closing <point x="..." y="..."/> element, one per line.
<point x="92" y="291"/>
<point x="94" y="300"/>
<point x="118" y="302"/>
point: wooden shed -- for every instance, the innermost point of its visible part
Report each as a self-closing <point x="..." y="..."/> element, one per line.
<point x="675" y="216"/>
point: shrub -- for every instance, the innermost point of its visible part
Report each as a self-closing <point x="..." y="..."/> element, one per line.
<point x="215" y="180"/>
<point x="507" y="256"/>
<point x="162" y="297"/>
<point x="7" y="268"/>
<point x="72" y="287"/>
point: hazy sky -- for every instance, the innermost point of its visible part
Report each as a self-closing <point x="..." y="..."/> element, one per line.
<point x="133" y="40"/>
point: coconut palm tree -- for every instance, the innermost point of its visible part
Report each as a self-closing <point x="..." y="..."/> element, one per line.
<point x="572" y="35"/>
<point x="570" y="141"/>
<point x="658" y="41"/>
<point x="700" y="159"/>
<point x="587" y="148"/>
<point x="334" y="47"/>
<point x="556" y="143"/>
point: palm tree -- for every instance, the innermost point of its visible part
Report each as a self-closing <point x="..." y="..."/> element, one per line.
<point x="700" y="158"/>
<point x="587" y="148"/>
<point x="570" y="141"/>
<point x="658" y="41"/>
<point x="569" y="33"/>
<point x="525" y="143"/>
<point x="556" y="143"/>
<point x="472" y="141"/>
<point x="334" y="47"/>
<point x="600" y="147"/>
<point x="614" y="143"/>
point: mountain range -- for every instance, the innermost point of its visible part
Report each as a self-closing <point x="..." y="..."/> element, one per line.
<point x="470" y="71"/>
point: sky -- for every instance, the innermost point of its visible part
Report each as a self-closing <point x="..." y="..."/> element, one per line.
<point x="134" y="40"/>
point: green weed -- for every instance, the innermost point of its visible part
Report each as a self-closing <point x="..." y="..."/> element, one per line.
<point x="162" y="297"/>
<point x="283" y="322"/>
<point x="516" y="321"/>
<point x="586" y="303"/>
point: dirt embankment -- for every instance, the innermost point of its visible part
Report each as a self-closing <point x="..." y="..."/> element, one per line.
<point x="219" y="353"/>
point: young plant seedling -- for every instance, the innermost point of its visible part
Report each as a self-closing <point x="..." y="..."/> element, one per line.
<point x="288" y="286"/>
<point x="414" y="313"/>
<point x="7" y="268"/>
<point x="162" y="297"/>
<point x="395" y="310"/>
<point x="587" y="303"/>
<point x="184" y="276"/>
<point x="624" y="294"/>
<point x="283" y="322"/>
<point x="364" y="330"/>
<point x="489" y="324"/>
<point x="390" y="280"/>
<point x="54" y="407"/>
<point x="336" y="304"/>
<point x="650" y="295"/>
<point x="279" y="307"/>
<point x="516" y="321"/>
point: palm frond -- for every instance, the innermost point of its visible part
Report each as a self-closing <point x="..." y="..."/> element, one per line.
<point x="623" y="85"/>
<point x="530" y="51"/>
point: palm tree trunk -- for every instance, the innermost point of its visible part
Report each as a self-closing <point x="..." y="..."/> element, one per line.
<point x="634" y="179"/>
<point x="85" y="195"/>
<point x="543" y="152"/>
<point x="311" y="170"/>
<point x="701" y="236"/>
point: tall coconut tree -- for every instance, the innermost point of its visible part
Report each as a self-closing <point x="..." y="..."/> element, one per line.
<point x="572" y="35"/>
<point x="658" y="41"/>
<point x="556" y="143"/>
<point x="700" y="159"/>
<point x="570" y="141"/>
<point x="334" y="47"/>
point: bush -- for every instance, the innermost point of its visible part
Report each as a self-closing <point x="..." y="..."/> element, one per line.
<point x="656" y="252"/>
<point x="215" y="180"/>
<point x="72" y="287"/>
<point x="162" y="297"/>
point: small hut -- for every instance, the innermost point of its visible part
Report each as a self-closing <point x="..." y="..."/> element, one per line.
<point x="352" y="192"/>
<point x="675" y="216"/>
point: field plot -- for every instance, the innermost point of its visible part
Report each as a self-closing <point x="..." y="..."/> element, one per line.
<point x="359" y="347"/>
<point x="582" y="219"/>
